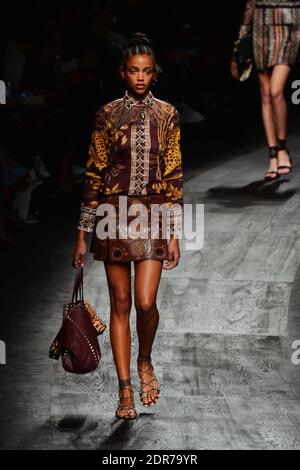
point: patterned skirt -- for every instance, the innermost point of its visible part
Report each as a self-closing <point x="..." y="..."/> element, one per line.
<point x="115" y="249"/>
<point x="276" y="36"/>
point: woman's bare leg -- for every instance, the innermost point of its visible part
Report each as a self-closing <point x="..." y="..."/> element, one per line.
<point x="147" y="278"/>
<point x="119" y="285"/>
<point x="268" y="116"/>
<point x="279" y="78"/>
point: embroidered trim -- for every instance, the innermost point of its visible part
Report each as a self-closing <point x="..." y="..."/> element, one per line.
<point x="130" y="102"/>
<point x="174" y="227"/>
<point x="87" y="218"/>
<point x="140" y="144"/>
<point x="277" y="3"/>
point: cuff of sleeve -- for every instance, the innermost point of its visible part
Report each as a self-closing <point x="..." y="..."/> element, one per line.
<point x="87" y="219"/>
<point x="175" y="225"/>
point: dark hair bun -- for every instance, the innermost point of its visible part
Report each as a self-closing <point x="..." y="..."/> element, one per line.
<point x="138" y="39"/>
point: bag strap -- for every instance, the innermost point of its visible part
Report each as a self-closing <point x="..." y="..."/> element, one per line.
<point x="78" y="286"/>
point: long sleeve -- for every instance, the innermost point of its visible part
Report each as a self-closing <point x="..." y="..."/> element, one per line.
<point x="173" y="174"/>
<point x="98" y="158"/>
<point x="247" y="18"/>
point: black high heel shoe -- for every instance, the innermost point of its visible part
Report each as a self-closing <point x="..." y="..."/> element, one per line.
<point x="282" y="146"/>
<point x="273" y="152"/>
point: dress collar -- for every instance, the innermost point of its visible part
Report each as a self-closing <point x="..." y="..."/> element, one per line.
<point x="130" y="102"/>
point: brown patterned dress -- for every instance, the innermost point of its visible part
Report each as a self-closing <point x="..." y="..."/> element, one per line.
<point x="276" y="31"/>
<point x="134" y="152"/>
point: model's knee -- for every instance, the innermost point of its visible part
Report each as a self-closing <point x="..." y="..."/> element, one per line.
<point x="266" y="97"/>
<point x="121" y="304"/>
<point x="276" y="94"/>
<point x="145" y="306"/>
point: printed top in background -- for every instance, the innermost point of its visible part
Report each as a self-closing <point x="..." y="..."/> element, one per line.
<point x="275" y="26"/>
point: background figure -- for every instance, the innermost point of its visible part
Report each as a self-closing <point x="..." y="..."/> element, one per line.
<point x="276" y="39"/>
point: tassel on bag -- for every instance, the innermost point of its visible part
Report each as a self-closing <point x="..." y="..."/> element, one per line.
<point x="77" y="340"/>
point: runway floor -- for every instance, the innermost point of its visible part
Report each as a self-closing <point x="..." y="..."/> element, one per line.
<point x="229" y="314"/>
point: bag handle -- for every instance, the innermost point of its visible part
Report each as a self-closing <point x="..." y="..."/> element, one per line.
<point x="78" y="286"/>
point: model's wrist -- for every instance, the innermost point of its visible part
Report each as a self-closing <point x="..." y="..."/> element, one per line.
<point x="173" y="239"/>
<point x="81" y="235"/>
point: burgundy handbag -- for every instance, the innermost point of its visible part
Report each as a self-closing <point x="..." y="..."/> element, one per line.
<point x="77" y="339"/>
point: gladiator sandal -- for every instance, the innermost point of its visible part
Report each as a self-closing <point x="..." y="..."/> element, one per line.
<point x="126" y="408"/>
<point x="147" y="387"/>
<point x="282" y="146"/>
<point x="272" y="174"/>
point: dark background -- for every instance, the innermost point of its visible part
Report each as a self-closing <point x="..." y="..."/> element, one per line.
<point x="60" y="61"/>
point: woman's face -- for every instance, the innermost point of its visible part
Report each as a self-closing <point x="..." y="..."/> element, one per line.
<point x="139" y="73"/>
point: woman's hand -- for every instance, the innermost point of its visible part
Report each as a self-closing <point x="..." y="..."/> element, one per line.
<point x="173" y="254"/>
<point x="79" y="250"/>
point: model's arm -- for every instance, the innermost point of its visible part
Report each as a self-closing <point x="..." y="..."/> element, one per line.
<point x="248" y="18"/>
<point x="173" y="174"/>
<point x="97" y="161"/>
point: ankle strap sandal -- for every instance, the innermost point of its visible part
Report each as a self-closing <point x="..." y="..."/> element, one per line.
<point x="151" y="383"/>
<point x="272" y="174"/>
<point x="282" y="146"/>
<point x="126" y="411"/>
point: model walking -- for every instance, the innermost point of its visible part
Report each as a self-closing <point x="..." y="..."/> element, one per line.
<point x="276" y="39"/>
<point x="134" y="152"/>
